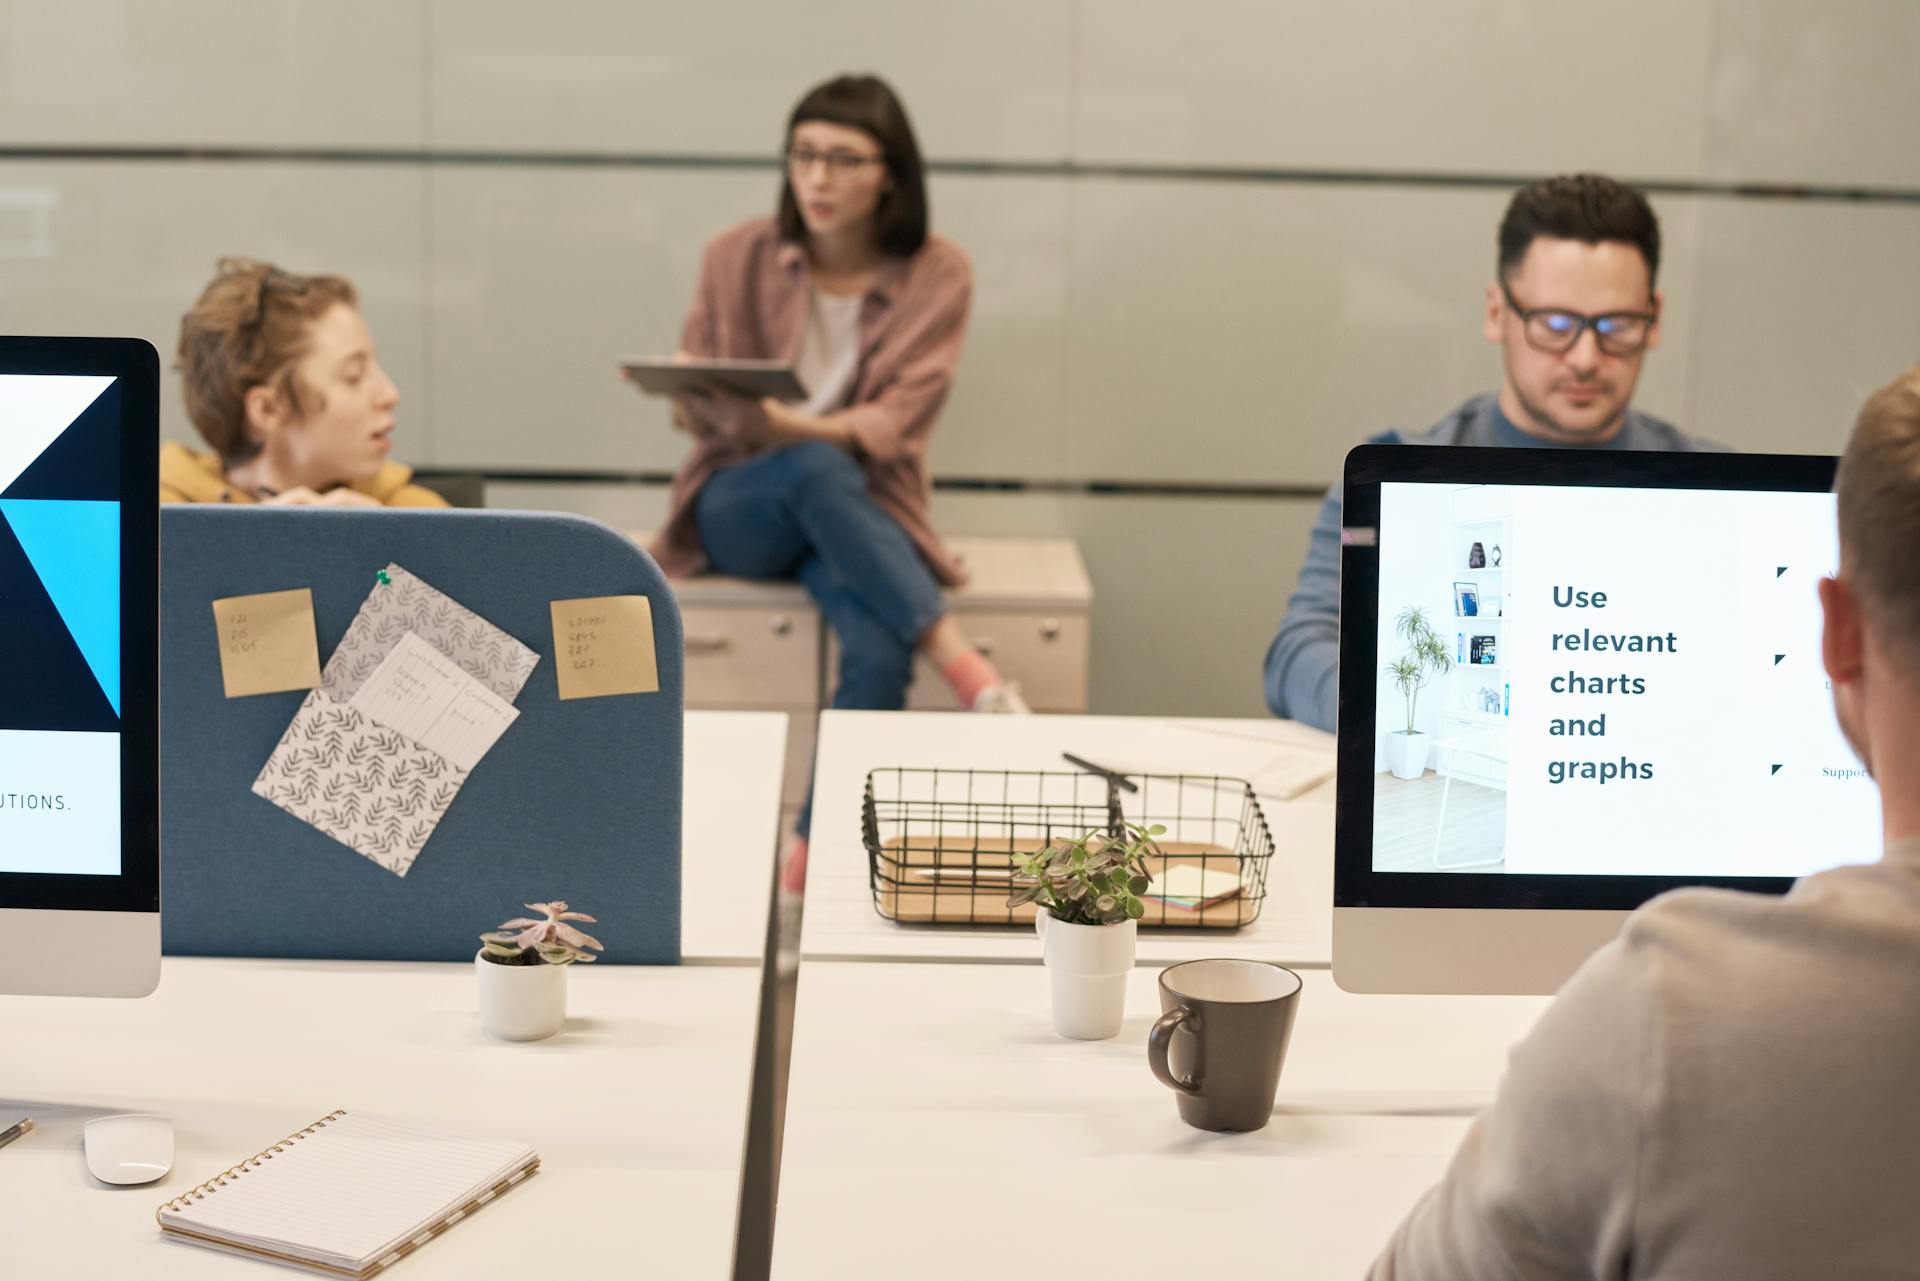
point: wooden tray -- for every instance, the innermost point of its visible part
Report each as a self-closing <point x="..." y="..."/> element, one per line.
<point x="905" y="892"/>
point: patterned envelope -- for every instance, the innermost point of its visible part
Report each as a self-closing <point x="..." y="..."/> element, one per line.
<point x="371" y="788"/>
<point x="406" y="604"/>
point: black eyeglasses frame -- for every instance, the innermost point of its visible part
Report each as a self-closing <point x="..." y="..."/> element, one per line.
<point x="1608" y="342"/>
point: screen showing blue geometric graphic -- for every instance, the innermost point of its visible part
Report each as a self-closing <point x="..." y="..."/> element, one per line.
<point x="60" y="624"/>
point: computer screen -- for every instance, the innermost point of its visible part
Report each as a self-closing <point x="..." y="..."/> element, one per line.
<point x="78" y="659"/>
<point x="1612" y="661"/>
<point x="1588" y="678"/>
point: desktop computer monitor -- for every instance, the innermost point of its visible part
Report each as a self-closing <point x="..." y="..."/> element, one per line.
<point x="79" y="666"/>
<point x="1610" y="666"/>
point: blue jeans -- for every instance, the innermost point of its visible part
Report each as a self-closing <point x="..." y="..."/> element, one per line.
<point x="803" y="512"/>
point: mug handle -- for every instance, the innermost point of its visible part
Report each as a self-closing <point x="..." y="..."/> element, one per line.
<point x="1157" y="1042"/>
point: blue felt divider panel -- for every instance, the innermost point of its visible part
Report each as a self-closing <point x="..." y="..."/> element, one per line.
<point x="579" y="800"/>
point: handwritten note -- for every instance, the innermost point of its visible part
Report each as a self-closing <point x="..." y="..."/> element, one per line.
<point x="422" y="693"/>
<point x="604" y="645"/>
<point x="267" y="642"/>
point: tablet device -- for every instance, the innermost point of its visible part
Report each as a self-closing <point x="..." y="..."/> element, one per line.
<point x="665" y="376"/>
<point x="1610" y="665"/>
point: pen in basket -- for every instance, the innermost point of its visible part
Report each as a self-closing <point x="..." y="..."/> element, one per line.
<point x="1116" y="782"/>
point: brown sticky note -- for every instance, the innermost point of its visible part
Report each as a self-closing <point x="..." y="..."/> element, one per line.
<point x="604" y="645"/>
<point x="267" y="642"/>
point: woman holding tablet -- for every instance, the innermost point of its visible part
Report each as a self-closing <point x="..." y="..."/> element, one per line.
<point x="846" y="284"/>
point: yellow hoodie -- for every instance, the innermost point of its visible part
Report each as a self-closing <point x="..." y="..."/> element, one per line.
<point x="189" y="477"/>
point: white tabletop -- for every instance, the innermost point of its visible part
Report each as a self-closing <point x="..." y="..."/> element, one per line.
<point x="638" y="1108"/>
<point x="937" y="1127"/>
<point x="730" y="833"/>
<point x="1295" y="922"/>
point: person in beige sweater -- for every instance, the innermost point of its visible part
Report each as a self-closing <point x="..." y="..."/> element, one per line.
<point x="1728" y="1090"/>
<point x="281" y="378"/>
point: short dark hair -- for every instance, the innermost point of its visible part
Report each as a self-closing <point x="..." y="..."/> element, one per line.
<point x="867" y="103"/>
<point x="1879" y="488"/>
<point x="1588" y="207"/>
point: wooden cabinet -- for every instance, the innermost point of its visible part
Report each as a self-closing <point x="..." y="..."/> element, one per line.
<point x="1028" y="607"/>
<point x="764" y="645"/>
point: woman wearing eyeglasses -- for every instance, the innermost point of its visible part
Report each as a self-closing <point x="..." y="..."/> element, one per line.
<point x="282" y="380"/>
<point x="848" y="285"/>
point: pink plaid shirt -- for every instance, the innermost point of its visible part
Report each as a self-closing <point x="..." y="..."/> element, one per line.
<point x="751" y="304"/>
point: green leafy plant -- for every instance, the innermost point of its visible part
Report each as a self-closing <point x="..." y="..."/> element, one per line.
<point x="525" y="941"/>
<point x="1096" y="880"/>
<point x="1426" y="657"/>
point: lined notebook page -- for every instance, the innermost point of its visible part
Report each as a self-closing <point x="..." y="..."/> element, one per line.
<point x="349" y="1193"/>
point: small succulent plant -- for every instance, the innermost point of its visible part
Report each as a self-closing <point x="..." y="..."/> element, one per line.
<point x="525" y="941"/>
<point x="1096" y="880"/>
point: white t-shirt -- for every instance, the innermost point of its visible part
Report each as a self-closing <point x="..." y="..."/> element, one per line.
<point x="830" y="351"/>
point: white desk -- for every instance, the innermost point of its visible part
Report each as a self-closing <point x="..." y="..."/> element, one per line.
<point x="638" y="1109"/>
<point x="839" y="920"/>
<point x="730" y="834"/>
<point x="936" y="1127"/>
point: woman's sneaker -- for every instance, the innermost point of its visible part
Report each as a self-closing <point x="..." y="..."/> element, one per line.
<point x="1002" y="700"/>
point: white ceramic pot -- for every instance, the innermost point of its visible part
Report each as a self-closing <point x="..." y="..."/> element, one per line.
<point x="1407" y="753"/>
<point x="521" y="1002"/>
<point x="1087" y="968"/>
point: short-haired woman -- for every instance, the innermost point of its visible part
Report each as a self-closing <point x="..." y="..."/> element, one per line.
<point x="847" y="283"/>
<point x="281" y="379"/>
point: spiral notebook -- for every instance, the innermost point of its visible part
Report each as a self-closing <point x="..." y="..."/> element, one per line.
<point x="349" y="1195"/>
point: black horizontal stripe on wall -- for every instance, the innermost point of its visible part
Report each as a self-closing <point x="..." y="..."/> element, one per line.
<point x="1098" y="488"/>
<point x="1254" y="174"/>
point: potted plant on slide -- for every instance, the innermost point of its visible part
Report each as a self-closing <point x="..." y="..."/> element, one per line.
<point x="1426" y="656"/>
<point x="523" y="971"/>
<point x="1088" y="892"/>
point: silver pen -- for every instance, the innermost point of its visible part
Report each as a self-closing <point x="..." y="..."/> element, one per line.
<point x="8" y="1136"/>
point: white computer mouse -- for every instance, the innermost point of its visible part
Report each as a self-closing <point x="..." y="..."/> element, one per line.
<point x="129" y="1149"/>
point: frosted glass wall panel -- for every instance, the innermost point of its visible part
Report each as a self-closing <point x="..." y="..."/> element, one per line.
<point x="544" y="277"/>
<point x="1820" y="93"/>
<point x="1482" y="86"/>
<point x="1187" y="593"/>
<point x="1806" y="309"/>
<point x="1257" y="331"/>
<point x="1006" y="416"/>
<point x="124" y="249"/>
<point x="987" y="79"/>
<point x="623" y="507"/>
<point x="260" y="73"/>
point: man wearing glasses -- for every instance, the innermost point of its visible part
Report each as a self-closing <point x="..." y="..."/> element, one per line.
<point x="1574" y="310"/>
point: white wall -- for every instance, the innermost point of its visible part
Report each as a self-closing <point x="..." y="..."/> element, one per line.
<point x="1216" y="243"/>
<point x="1416" y="560"/>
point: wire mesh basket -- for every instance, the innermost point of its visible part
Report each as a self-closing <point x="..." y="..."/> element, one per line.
<point x="942" y="844"/>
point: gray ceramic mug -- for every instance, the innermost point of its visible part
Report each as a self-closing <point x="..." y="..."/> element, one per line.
<point x="1222" y="1039"/>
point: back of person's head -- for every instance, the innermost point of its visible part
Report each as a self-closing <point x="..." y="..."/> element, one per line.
<point x="1879" y="496"/>
<point x="869" y="104"/>
<point x="1587" y="207"/>
<point x="247" y="330"/>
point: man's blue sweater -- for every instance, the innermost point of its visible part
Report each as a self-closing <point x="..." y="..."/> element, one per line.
<point x="1304" y="658"/>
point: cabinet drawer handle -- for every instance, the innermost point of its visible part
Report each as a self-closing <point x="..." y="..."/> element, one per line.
<point x="985" y="645"/>
<point x="781" y="625"/>
<point x="1050" y="629"/>
<point x="708" y="644"/>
